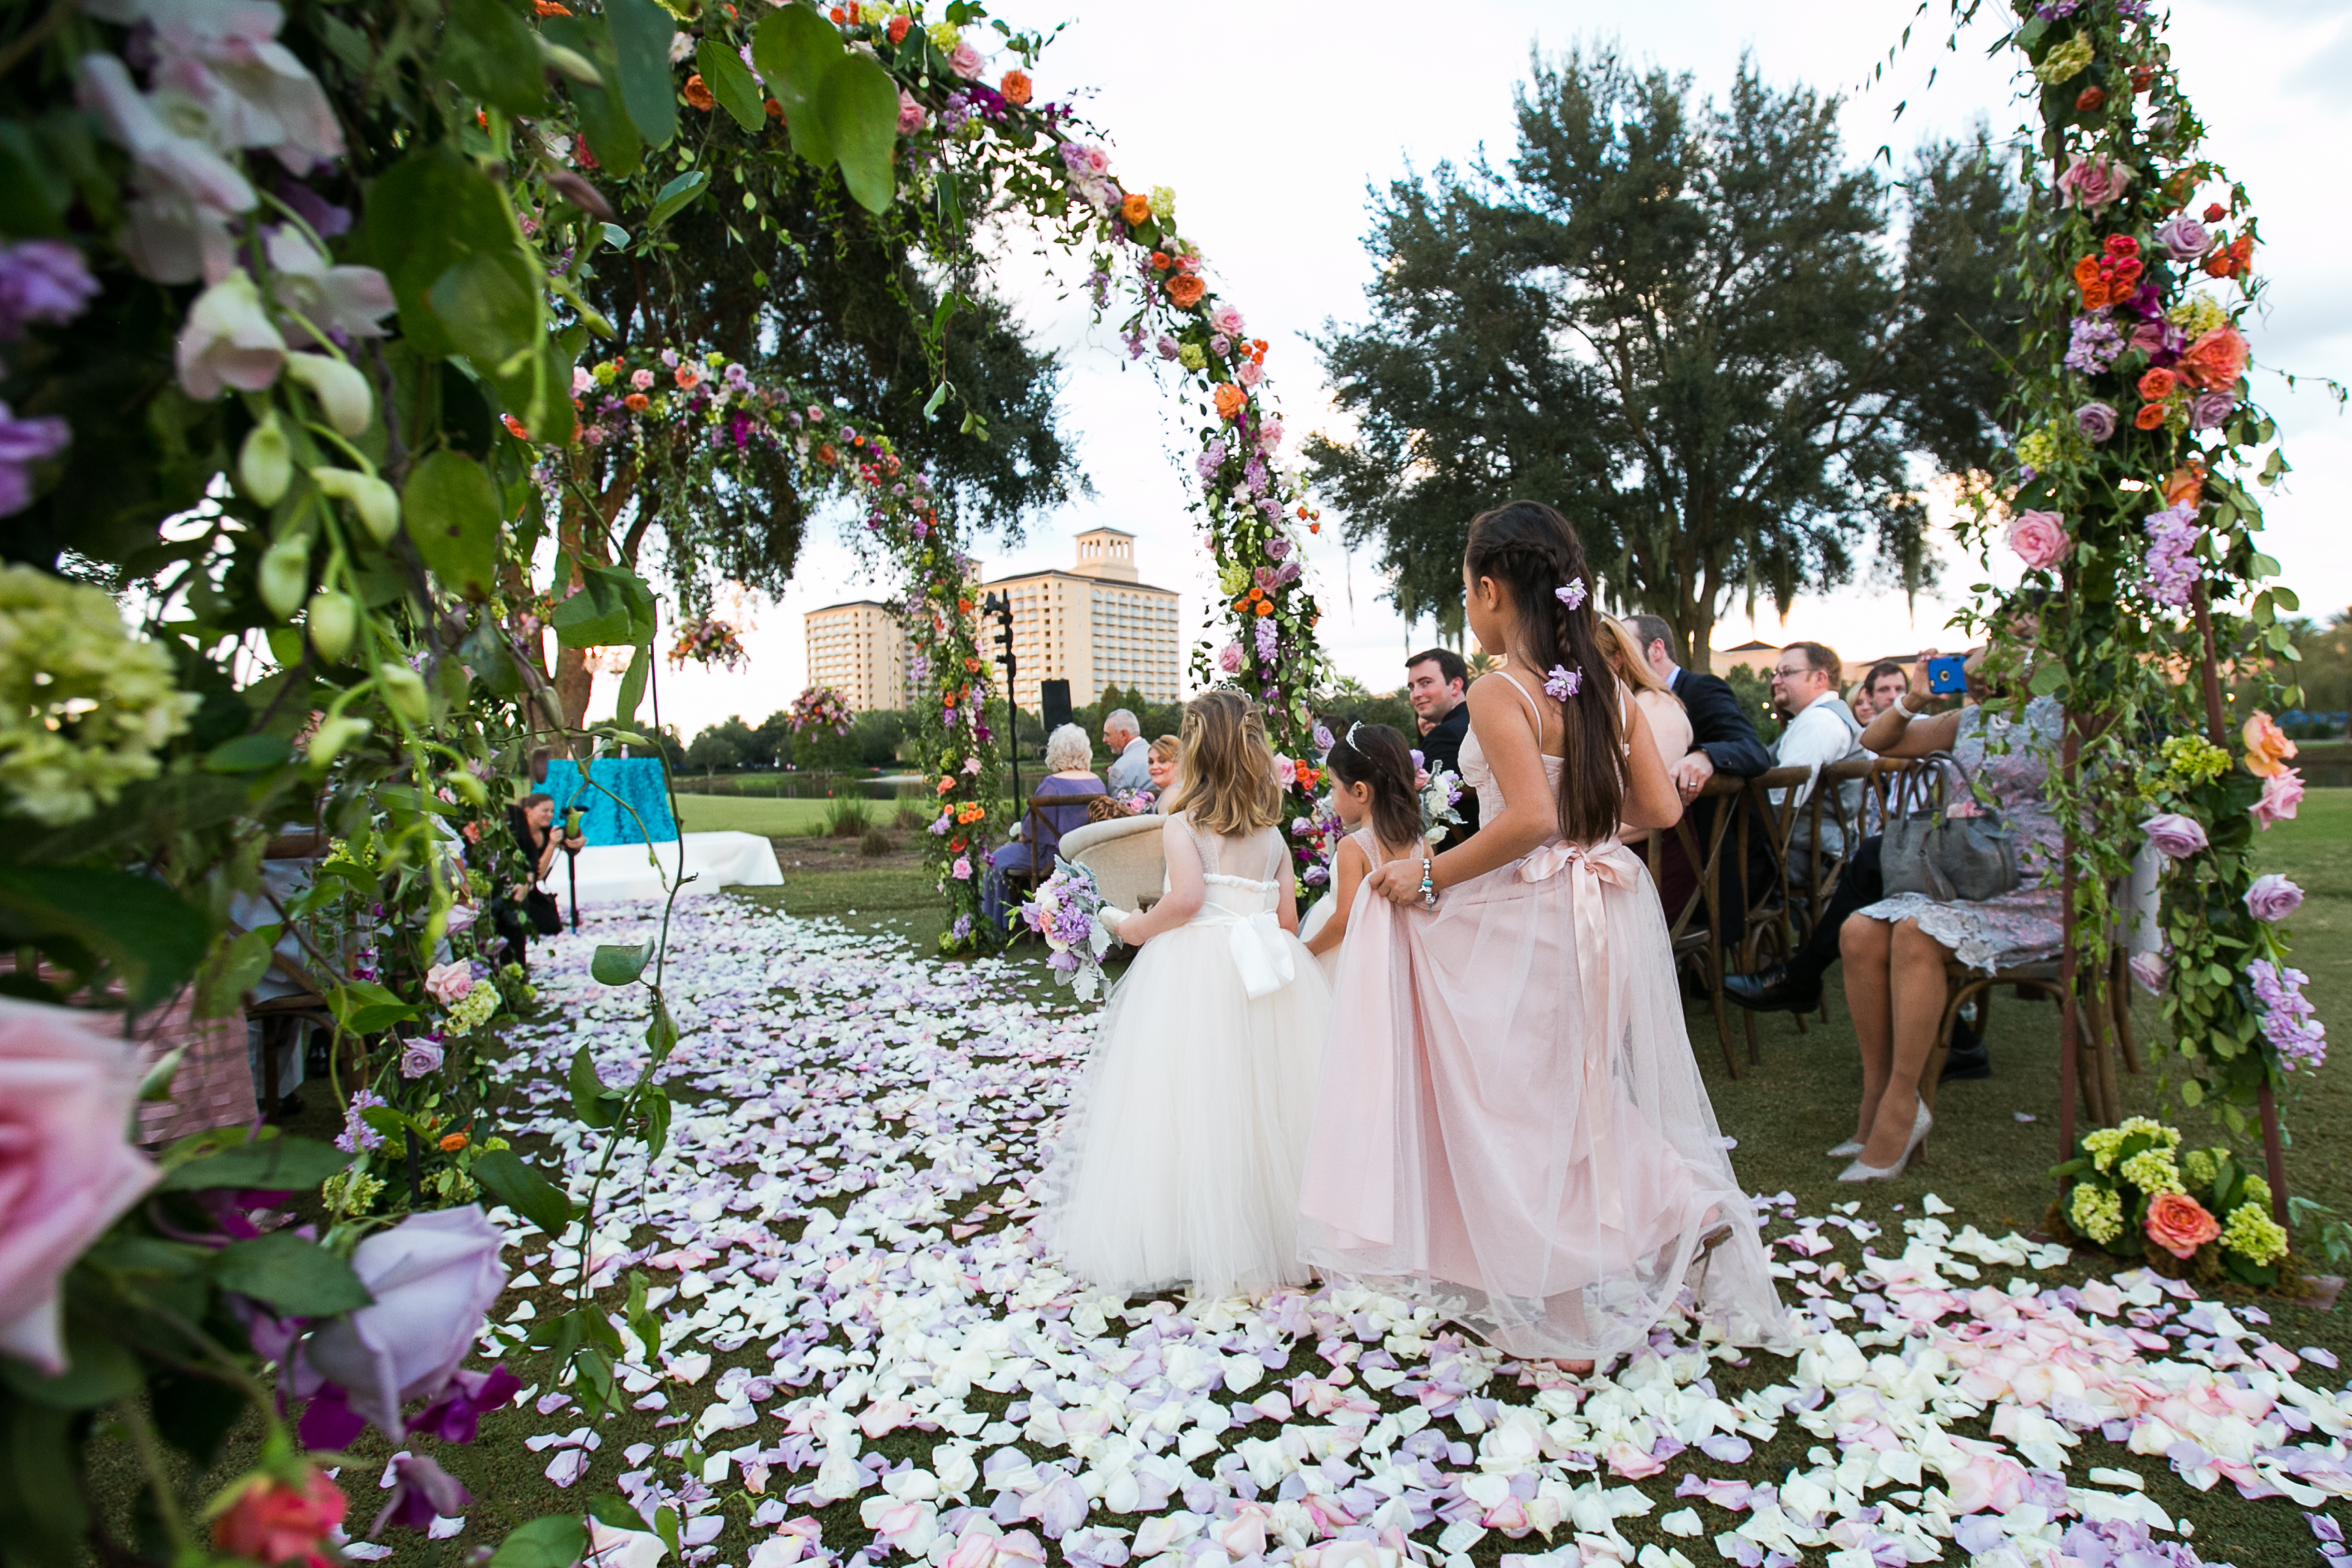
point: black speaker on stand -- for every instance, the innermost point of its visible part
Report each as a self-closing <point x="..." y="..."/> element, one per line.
<point x="1053" y="697"/>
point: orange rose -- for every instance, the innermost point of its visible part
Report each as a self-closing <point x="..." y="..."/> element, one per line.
<point x="2268" y="750"/>
<point x="2178" y="1224"/>
<point x="2214" y="360"/>
<point x="1184" y="290"/>
<point x="452" y="1144"/>
<point x="1267" y="608"/>
<point x="826" y="454"/>
<point x="638" y="401"/>
<point x="698" y="92"/>
<point x="2156" y="384"/>
<point x="775" y="110"/>
<point x="1230" y="400"/>
<point x="1015" y="87"/>
<point x="686" y="376"/>
<point x="2150" y="416"/>
<point x="2185" y="484"/>
<point x="1135" y="208"/>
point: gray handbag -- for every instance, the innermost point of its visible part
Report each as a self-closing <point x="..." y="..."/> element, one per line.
<point x="1945" y="858"/>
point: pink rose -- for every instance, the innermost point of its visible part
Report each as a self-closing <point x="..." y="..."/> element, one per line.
<point x="2094" y="184"/>
<point x="448" y="983"/>
<point x="2150" y="969"/>
<point x="1250" y="373"/>
<point x="1285" y="772"/>
<point x="2282" y="792"/>
<point x="2178" y="1224"/>
<point x="1227" y="320"/>
<point x="1229" y="659"/>
<point x="962" y="869"/>
<point x="2273" y="897"/>
<point x="912" y="116"/>
<point x="641" y="379"/>
<point x="433" y="1276"/>
<point x="965" y="60"/>
<point x="2040" y="539"/>
<point x="67" y="1169"/>
<point x="2177" y="836"/>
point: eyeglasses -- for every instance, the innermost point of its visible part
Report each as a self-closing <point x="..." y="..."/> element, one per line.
<point x="1792" y="674"/>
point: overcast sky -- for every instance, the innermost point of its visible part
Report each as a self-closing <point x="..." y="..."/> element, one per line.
<point x="1271" y="121"/>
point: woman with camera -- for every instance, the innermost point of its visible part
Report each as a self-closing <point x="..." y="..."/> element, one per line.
<point x="1894" y="950"/>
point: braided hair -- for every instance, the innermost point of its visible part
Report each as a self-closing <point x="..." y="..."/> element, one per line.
<point x="1530" y="551"/>
<point x="1376" y="755"/>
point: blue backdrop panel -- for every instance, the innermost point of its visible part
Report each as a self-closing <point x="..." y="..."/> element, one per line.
<point x="636" y="780"/>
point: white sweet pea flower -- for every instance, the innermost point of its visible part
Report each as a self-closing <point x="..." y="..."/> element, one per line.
<point x="229" y="341"/>
<point x="225" y="55"/>
<point x="185" y="191"/>
<point x="352" y="300"/>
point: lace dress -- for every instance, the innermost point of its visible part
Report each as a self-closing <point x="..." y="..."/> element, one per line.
<point x="1179" y="1160"/>
<point x="2011" y="764"/>
<point x="1511" y="1127"/>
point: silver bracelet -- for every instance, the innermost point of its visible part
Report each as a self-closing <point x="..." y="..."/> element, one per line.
<point x="1902" y="705"/>
<point x="1428" y="886"/>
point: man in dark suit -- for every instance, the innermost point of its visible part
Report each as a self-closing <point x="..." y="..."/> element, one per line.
<point x="1723" y="741"/>
<point x="1434" y="682"/>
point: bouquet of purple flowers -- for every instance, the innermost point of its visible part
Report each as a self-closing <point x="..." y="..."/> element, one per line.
<point x="1066" y="910"/>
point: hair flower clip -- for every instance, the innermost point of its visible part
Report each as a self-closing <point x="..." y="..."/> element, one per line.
<point x="1572" y="594"/>
<point x="1563" y="682"/>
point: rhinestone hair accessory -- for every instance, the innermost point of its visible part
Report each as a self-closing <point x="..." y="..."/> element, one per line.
<point x="1351" y="733"/>
<point x="1571" y="593"/>
<point x="1563" y="682"/>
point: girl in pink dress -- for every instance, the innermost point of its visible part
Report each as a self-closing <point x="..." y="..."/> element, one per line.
<point x="1372" y="790"/>
<point x="1510" y="1126"/>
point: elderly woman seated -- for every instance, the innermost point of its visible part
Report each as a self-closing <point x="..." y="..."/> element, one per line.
<point x="1894" y="950"/>
<point x="1069" y="756"/>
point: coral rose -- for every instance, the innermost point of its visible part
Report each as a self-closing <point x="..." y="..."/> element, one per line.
<point x="1184" y="290"/>
<point x="2040" y="539"/>
<point x="66" y="1094"/>
<point x="271" y="1523"/>
<point x="2156" y="384"/>
<point x="1016" y="88"/>
<point x="1230" y="400"/>
<point x="1134" y="206"/>
<point x="2214" y="360"/>
<point x="2267" y="747"/>
<point x="699" y="93"/>
<point x="2178" y="1224"/>
<point x="2150" y="416"/>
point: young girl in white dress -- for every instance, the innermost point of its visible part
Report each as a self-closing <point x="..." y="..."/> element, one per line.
<point x="1178" y="1161"/>
<point x="1372" y="790"/>
<point x="1511" y="1127"/>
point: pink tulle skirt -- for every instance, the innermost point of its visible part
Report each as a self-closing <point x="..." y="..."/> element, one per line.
<point x="1511" y="1127"/>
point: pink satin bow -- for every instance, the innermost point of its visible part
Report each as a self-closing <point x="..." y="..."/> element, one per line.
<point x="1593" y="865"/>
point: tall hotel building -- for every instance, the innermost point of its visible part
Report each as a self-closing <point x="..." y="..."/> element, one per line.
<point x="1092" y="626"/>
<point x="859" y="650"/>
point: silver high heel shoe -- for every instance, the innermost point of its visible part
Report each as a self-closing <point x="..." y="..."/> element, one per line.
<point x="1921" y="1123"/>
<point x="1847" y="1149"/>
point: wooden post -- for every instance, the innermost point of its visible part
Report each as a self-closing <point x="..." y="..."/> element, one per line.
<point x="2216" y="731"/>
<point x="2069" y="1018"/>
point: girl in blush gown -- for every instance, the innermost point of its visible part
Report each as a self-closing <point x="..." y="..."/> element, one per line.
<point x="1372" y="790"/>
<point x="1511" y="1127"/>
<point x="1179" y="1160"/>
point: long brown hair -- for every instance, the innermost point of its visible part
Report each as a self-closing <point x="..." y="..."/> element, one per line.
<point x="1530" y="550"/>
<point x="1224" y="781"/>
<point x="1376" y="755"/>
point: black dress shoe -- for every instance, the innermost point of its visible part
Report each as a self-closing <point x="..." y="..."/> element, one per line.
<point x="1967" y="1060"/>
<point x="1773" y="991"/>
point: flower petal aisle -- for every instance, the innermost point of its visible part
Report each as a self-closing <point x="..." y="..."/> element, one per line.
<point x="864" y="1355"/>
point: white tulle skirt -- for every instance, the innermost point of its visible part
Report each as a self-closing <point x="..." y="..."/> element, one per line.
<point x="1179" y="1160"/>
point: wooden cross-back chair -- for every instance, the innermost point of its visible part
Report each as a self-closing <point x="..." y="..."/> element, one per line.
<point x="1696" y="929"/>
<point x="1769" y="826"/>
<point x="1043" y="838"/>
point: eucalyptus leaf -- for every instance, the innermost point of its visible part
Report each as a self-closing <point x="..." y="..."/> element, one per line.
<point x="859" y="101"/>
<point x="735" y="87"/>
<point x="450" y="509"/>
<point x="641" y="32"/>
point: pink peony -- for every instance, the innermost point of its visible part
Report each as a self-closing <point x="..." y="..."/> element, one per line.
<point x="2040" y="539"/>
<point x="2094" y="184"/>
<point x="965" y="61"/>
<point x="2178" y="1224"/>
<point x="2282" y="792"/>
<point x="67" y="1169"/>
<point x="2273" y="897"/>
<point x="433" y="1276"/>
<point x="448" y="983"/>
<point x="2176" y="835"/>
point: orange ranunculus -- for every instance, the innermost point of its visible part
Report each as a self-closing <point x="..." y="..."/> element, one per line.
<point x="2150" y="416"/>
<point x="1254" y="594"/>
<point x="1230" y="400"/>
<point x="2268" y="750"/>
<point x="775" y="110"/>
<point x="1184" y="290"/>
<point x="638" y="401"/>
<point x="2186" y="484"/>
<point x="2157" y="384"/>
<point x="2214" y="360"/>
<point x="963" y="606"/>
<point x="1265" y="607"/>
<point x="2087" y="278"/>
<point x="897" y="30"/>
<point x="971" y="666"/>
<point x="699" y="93"/>
<point x="825" y="454"/>
<point x="452" y="1144"/>
<point x="1135" y="207"/>
<point x="686" y="376"/>
<point x="1159" y="261"/>
<point x="1016" y="87"/>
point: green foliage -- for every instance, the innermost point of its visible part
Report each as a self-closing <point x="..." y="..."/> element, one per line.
<point x="1684" y="326"/>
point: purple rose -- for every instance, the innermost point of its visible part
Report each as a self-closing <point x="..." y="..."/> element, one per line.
<point x="418" y="1057"/>
<point x="1169" y="347"/>
<point x="2206" y="410"/>
<point x="433" y="1276"/>
<point x="2176" y="835"/>
<point x="422" y="1493"/>
<point x="24" y="442"/>
<point x="2273" y="897"/>
<point x="2097" y="420"/>
<point x="2183" y="239"/>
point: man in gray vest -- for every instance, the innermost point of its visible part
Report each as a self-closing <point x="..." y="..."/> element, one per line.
<point x="1821" y="729"/>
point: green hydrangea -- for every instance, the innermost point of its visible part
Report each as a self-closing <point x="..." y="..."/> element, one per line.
<point x="2256" y="1191"/>
<point x="1164" y="202"/>
<point x="1232" y="578"/>
<point x="2198" y="314"/>
<point x="2200" y="1167"/>
<point x="2070" y="59"/>
<point x="2195" y="760"/>
<point x="2253" y="1235"/>
<point x="2095" y="1212"/>
<point x="2048" y="444"/>
<point x="2102" y="1144"/>
<point x="2153" y="1171"/>
<point x="349" y="1194"/>
<point x="474" y="1009"/>
<point x="945" y="36"/>
<point x="1192" y="356"/>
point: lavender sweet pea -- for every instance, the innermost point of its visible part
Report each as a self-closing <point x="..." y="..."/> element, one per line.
<point x="2175" y="835"/>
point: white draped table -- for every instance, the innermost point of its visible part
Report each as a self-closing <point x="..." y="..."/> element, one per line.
<point x="617" y="873"/>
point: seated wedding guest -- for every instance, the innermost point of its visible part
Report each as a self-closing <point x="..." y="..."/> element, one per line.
<point x="1894" y="950"/>
<point x="1670" y="725"/>
<point x="1129" y="764"/>
<point x="1886" y="681"/>
<point x="1723" y="739"/>
<point x="1070" y="757"/>
<point x="1435" y="680"/>
<point x="1820" y="730"/>
<point x="1167" y="753"/>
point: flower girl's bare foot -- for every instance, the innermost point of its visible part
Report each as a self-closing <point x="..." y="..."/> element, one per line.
<point x="1573" y="1368"/>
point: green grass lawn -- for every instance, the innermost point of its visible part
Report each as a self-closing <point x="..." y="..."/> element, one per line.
<point x="748" y="814"/>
